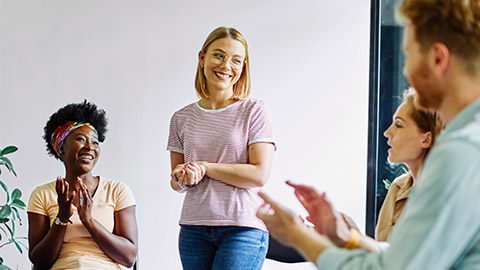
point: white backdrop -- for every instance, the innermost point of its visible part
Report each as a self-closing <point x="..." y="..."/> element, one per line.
<point x="137" y="60"/>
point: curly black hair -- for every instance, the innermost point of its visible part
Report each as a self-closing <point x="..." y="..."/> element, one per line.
<point x="85" y="112"/>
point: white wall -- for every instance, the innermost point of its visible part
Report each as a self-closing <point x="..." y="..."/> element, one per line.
<point x="137" y="60"/>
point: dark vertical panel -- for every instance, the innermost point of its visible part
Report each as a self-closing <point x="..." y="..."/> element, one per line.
<point x="371" y="205"/>
<point x="386" y="86"/>
<point x="391" y="84"/>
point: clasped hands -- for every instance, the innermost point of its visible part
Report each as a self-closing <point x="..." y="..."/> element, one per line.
<point x="189" y="174"/>
<point x="79" y="197"/>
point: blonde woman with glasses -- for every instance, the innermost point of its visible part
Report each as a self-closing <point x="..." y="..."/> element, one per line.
<point x="221" y="151"/>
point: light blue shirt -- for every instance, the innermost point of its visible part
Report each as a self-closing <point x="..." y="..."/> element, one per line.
<point x="440" y="226"/>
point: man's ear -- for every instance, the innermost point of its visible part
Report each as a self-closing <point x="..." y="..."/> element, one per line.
<point x="441" y="58"/>
<point x="427" y="140"/>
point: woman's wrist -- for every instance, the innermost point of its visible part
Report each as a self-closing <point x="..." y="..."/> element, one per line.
<point x="204" y="166"/>
<point x="88" y="221"/>
<point x="61" y="221"/>
<point x="63" y="218"/>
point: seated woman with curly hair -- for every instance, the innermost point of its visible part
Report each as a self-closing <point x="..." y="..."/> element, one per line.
<point x="80" y="221"/>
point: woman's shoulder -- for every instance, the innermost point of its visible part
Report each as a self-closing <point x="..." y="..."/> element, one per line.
<point x="113" y="185"/>
<point x="109" y="182"/>
<point x="402" y="179"/>
<point x="254" y="102"/>
<point x="402" y="183"/>
<point x="186" y="108"/>
<point x="253" y="105"/>
<point x="185" y="112"/>
<point x="45" y="193"/>
<point x="47" y="187"/>
<point x="117" y="191"/>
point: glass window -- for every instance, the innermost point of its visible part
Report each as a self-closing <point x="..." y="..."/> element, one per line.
<point x="387" y="84"/>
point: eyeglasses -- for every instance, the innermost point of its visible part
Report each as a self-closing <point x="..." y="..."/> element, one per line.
<point x="218" y="58"/>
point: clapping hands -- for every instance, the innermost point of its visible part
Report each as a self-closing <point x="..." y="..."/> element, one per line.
<point x="84" y="207"/>
<point x="64" y="199"/>
<point x="80" y="197"/>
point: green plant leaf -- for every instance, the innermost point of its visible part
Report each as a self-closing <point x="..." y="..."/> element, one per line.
<point x="19" y="203"/>
<point x="19" y="248"/>
<point x="9" y="230"/>
<point x="387" y="184"/>
<point x="4" y="186"/>
<point x="16" y="194"/>
<point x="9" y="165"/>
<point x="8" y="150"/>
<point x="5" y="211"/>
<point x="16" y="213"/>
<point x="4" y="267"/>
<point x="10" y="213"/>
<point x="13" y="229"/>
<point x="24" y="245"/>
<point x="1" y="228"/>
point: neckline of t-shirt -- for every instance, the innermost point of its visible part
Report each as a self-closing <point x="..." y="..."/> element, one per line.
<point x="217" y="110"/>
<point x="100" y="182"/>
<point x="98" y="186"/>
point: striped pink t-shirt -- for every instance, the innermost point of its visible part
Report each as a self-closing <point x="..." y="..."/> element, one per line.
<point x="220" y="136"/>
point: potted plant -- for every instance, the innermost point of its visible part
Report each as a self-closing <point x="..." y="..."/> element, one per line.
<point x="10" y="210"/>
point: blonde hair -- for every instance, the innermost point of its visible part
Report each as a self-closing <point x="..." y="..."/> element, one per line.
<point x="241" y="89"/>
<point x="427" y="120"/>
<point x="455" y="23"/>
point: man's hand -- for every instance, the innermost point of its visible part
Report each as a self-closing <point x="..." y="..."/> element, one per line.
<point x="289" y="229"/>
<point x="326" y="219"/>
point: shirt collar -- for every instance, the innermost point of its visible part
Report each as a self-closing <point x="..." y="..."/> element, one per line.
<point x="464" y="117"/>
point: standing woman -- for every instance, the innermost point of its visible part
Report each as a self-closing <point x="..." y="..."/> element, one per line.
<point x="80" y="221"/>
<point x="221" y="151"/>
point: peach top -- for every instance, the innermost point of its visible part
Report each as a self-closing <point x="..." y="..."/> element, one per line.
<point x="79" y="250"/>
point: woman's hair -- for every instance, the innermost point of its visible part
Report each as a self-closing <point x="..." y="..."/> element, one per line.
<point x="85" y="112"/>
<point x="455" y="23"/>
<point x="241" y="89"/>
<point x="427" y="120"/>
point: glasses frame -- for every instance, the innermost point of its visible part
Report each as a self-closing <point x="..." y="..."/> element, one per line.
<point x="219" y="60"/>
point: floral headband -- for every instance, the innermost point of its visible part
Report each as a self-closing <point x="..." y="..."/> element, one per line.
<point x="61" y="133"/>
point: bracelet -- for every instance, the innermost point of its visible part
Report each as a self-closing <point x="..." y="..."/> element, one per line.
<point x="182" y="186"/>
<point x="352" y="243"/>
<point x="59" y="222"/>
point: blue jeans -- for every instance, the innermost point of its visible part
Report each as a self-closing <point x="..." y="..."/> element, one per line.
<point x="222" y="247"/>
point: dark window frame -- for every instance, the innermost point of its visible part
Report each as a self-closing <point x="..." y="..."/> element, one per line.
<point x="372" y="154"/>
<point x="386" y="84"/>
